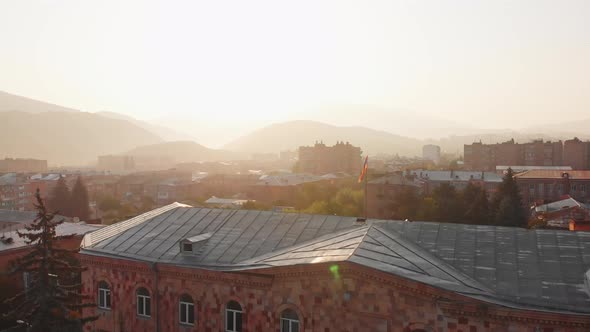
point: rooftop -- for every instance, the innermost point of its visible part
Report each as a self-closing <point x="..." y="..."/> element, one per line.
<point x="457" y="176"/>
<point x="537" y="269"/>
<point x="553" y="174"/>
<point x="66" y="228"/>
<point x="560" y="205"/>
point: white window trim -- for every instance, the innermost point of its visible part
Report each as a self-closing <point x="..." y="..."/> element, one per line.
<point x="102" y="294"/>
<point x="144" y="298"/>
<point x="290" y="321"/>
<point x="189" y="307"/>
<point x="234" y="315"/>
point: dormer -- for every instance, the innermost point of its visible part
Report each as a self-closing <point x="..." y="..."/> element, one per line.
<point x="191" y="245"/>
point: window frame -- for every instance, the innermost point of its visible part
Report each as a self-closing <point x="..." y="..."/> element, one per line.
<point x="234" y="313"/>
<point x="105" y="295"/>
<point x="144" y="301"/>
<point x="189" y="307"/>
<point x="290" y="322"/>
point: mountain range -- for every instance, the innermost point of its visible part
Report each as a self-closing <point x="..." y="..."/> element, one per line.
<point x="65" y="136"/>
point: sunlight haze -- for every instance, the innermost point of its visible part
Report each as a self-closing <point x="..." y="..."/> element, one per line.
<point x="203" y="67"/>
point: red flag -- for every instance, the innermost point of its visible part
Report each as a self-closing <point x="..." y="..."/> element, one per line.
<point x="364" y="170"/>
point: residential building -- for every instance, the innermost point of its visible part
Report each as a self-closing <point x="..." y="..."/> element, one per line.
<point x="116" y="163"/>
<point x="431" y="152"/>
<point x="485" y="157"/>
<point x="382" y="194"/>
<point x="19" y="165"/>
<point x="562" y="213"/>
<point x="430" y="180"/>
<point x="321" y="159"/>
<point x="576" y="154"/>
<point x="192" y="269"/>
<point x="544" y="186"/>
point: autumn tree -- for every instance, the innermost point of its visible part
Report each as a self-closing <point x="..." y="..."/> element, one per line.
<point x="52" y="299"/>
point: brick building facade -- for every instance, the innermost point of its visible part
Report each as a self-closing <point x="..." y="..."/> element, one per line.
<point x="485" y="157"/>
<point x="189" y="269"/>
<point x="544" y="186"/>
<point x="321" y="159"/>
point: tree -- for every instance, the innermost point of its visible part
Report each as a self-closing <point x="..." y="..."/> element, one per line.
<point x="79" y="203"/>
<point x="475" y="201"/>
<point x="59" y="199"/>
<point x="50" y="301"/>
<point x="507" y="203"/>
<point x="406" y="204"/>
<point x="447" y="203"/>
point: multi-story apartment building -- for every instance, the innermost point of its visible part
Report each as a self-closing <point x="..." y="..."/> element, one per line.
<point x="112" y="163"/>
<point x="321" y="159"/>
<point x="19" y="165"/>
<point x="543" y="186"/>
<point x="485" y="157"/>
<point x="431" y="152"/>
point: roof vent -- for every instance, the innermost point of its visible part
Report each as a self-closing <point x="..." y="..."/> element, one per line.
<point x="587" y="282"/>
<point x="361" y="220"/>
<point x="192" y="245"/>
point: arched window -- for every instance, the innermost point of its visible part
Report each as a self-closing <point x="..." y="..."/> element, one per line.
<point x="143" y="303"/>
<point x="104" y="295"/>
<point x="289" y="321"/>
<point x="233" y="317"/>
<point x="187" y="310"/>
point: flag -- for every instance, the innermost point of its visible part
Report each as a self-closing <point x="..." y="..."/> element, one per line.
<point x="364" y="170"/>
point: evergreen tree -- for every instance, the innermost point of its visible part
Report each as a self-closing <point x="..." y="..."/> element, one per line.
<point x="475" y="200"/>
<point x="79" y="203"/>
<point x="507" y="203"/>
<point x="50" y="301"/>
<point x="447" y="204"/>
<point x="59" y="199"/>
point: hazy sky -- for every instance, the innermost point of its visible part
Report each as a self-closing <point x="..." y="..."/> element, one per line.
<point x="248" y="62"/>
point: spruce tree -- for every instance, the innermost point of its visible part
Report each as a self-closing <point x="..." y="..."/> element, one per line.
<point x="79" y="203"/>
<point x="507" y="203"/>
<point x="59" y="198"/>
<point x="52" y="299"/>
<point x="477" y="210"/>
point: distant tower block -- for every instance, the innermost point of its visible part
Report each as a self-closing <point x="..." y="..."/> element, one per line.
<point x="431" y="152"/>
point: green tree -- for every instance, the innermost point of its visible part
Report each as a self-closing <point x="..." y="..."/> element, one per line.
<point x="50" y="301"/>
<point x="59" y="199"/>
<point x="406" y="204"/>
<point x="447" y="204"/>
<point x="475" y="201"/>
<point x="79" y="203"/>
<point x="109" y="203"/>
<point x="507" y="203"/>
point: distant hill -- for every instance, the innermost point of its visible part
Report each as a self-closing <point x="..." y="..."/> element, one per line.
<point x="67" y="138"/>
<point x="290" y="135"/>
<point x="165" y="133"/>
<point x="183" y="151"/>
<point x="10" y="102"/>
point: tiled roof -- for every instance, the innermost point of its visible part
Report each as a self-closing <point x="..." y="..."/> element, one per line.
<point x="552" y="174"/>
<point x="539" y="269"/>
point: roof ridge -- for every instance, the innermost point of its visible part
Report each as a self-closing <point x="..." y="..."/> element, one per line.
<point x="116" y="228"/>
<point x="308" y="243"/>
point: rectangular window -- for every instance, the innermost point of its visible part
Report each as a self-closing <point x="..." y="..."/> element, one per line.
<point x="233" y="322"/>
<point x="143" y="305"/>
<point x="187" y="313"/>
<point x="187" y="247"/>
<point x="104" y="298"/>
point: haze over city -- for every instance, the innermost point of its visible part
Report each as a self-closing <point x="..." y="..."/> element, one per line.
<point x="218" y="70"/>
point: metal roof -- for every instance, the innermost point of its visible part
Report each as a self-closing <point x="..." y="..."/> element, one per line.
<point x="63" y="229"/>
<point x="539" y="269"/>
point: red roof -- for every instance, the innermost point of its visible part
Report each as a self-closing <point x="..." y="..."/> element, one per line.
<point x="553" y="174"/>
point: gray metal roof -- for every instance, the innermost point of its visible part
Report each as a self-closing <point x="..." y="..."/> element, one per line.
<point x="541" y="269"/>
<point x="63" y="229"/>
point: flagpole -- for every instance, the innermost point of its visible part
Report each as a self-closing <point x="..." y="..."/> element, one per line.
<point x="366" y="196"/>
